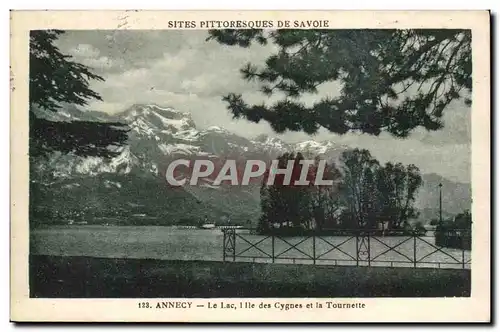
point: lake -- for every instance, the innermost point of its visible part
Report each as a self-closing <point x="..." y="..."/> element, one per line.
<point x="175" y="243"/>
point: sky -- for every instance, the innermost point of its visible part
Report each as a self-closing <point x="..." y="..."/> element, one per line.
<point x="183" y="70"/>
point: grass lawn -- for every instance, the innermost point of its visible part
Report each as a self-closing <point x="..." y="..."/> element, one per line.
<point x="88" y="277"/>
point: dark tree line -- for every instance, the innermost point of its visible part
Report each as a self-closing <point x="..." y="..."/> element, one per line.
<point x="364" y="195"/>
<point x="285" y="196"/>
<point x="462" y="221"/>
<point x="456" y="232"/>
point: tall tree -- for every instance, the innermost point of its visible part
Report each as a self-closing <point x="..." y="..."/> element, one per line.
<point x="398" y="186"/>
<point x="54" y="80"/>
<point x="359" y="169"/>
<point x="326" y="201"/>
<point x="391" y="80"/>
<point x="283" y="202"/>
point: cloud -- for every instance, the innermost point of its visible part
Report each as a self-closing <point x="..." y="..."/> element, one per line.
<point x="84" y="51"/>
<point x="90" y="56"/>
<point x="103" y="63"/>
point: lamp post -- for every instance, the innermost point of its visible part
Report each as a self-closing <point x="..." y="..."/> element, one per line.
<point x="440" y="204"/>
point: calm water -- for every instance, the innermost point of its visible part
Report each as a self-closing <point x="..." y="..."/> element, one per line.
<point x="196" y="244"/>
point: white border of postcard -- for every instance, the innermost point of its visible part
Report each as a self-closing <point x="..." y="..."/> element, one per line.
<point x="475" y="308"/>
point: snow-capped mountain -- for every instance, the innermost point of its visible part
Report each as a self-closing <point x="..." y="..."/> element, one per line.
<point x="158" y="135"/>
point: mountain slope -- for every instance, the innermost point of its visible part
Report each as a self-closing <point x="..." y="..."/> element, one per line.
<point x="455" y="196"/>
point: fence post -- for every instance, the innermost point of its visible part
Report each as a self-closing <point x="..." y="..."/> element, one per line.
<point x="369" y="249"/>
<point x="414" y="249"/>
<point x="234" y="244"/>
<point x="357" y="248"/>
<point x="272" y="245"/>
<point x="314" y="249"/>
<point x="224" y="245"/>
<point x="463" y="250"/>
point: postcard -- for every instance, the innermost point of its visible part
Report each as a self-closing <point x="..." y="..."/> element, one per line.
<point x="250" y="166"/>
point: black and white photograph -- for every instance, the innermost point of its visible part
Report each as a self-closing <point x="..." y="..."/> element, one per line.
<point x="233" y="159"/>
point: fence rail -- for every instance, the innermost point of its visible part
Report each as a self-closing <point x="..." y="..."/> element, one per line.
<point x="347" y="247"/>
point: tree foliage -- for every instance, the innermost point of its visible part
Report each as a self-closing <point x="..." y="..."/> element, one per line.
<point x="359" y="170"/>
<point x="362" y="194"/>
<point x="463" y="220"/>
<point x="83" y="138"/>
<point x="379" y="193"/>
<point x="455" y="232"/>
<point x="398" y="187"/>
<point x="391" y="80"/>
<point x="285" y="203"/>
<point x="55" y="80"/>
<point x="326" y="201"/>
